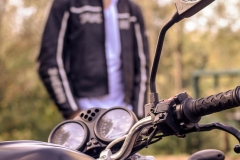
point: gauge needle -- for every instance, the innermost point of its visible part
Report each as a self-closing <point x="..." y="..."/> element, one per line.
<point x="111" y="130"/>
<point x="114" y="127"/>
<point x="118" y="134"/>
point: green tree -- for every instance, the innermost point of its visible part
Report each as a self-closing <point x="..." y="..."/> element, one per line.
<point x="24" y="103"/>
<point x="27" y="111"/>
<point x="208" y="46"/>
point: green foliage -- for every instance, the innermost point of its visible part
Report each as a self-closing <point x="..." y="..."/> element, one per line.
<point x="26" y="111"/>
<point x="25" y="108"/>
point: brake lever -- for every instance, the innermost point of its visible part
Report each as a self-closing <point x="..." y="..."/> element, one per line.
<point x="220" y="126"/>
<point x="151" y="136"/>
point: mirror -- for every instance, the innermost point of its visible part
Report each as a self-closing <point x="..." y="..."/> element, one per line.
<point x="187" y="8"/>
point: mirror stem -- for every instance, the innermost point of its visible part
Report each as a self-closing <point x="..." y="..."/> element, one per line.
<point x="153" y="95"/>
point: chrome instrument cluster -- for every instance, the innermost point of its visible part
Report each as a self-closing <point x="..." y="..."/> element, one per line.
<point x="93" y="129"/>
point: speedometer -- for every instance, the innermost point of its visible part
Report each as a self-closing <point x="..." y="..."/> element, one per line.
<point x="114" y="123"/>
<point x="71" y="134"/>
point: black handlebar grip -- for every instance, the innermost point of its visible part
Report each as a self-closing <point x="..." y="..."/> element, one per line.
<point x="194" y="109"/>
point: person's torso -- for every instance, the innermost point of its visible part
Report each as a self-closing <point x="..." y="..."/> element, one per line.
<point x="85" y="45"/>
<point x="116" y="95"/>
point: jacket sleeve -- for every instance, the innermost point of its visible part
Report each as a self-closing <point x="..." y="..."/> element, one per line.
<point x="141" y="63"/>
<point x="51" y="67"/>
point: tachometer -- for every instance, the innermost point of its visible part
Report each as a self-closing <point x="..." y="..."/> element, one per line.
<point x="114" y="123"/>
<point x="71" y="134"/>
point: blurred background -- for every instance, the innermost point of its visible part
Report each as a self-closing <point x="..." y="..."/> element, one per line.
<point x="201" y="55"/>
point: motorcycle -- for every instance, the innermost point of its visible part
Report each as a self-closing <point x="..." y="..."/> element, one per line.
<point x="116" y="133"/>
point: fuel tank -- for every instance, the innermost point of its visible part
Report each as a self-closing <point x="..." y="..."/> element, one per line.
<point x="29" y="150"/>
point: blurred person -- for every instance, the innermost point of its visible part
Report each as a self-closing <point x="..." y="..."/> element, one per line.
<point x="94" y="53"/>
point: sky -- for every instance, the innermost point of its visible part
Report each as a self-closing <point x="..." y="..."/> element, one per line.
<point x="22" y="12"/>
<point x="231" y="13"/>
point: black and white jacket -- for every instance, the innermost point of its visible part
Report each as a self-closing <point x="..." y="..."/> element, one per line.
<point x="72" y="61"/>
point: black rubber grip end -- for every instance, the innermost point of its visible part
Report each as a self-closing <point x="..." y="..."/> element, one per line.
<point x="194" y="109"/>
<point x="216" y="103"/>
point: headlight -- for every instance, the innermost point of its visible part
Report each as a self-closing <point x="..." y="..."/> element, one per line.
<point x="71" y="134"/>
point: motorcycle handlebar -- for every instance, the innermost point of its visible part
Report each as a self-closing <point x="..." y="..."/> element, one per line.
<point x="192" y="110"/>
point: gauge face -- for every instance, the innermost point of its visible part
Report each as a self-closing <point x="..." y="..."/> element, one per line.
<point x="113" y="124"/>
<point x="70" y="135"/>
